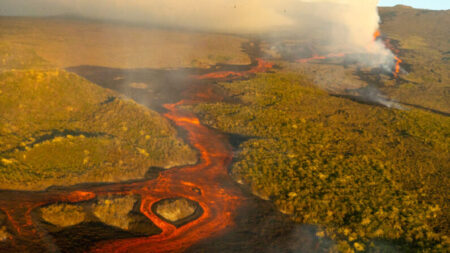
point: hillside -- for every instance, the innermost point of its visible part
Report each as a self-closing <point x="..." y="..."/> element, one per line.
<point x="359" y="153"/>
<point x="421" y="36"/>
<point x="368" y="174"/>
<point x="418" y="37"/>
<point x="322" y="147"/>
<point x="57" y="128"/>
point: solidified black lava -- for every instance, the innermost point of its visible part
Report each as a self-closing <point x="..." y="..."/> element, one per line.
<point x="261" y="228"/>
<point x="80" y="237"/>
<point x="153" y="172"/>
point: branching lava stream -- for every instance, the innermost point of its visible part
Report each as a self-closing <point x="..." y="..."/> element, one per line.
<point x="206" y="183"/>
<point x="202" y="183"/>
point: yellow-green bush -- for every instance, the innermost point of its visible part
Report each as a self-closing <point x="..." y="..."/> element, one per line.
<point x="57" y="128"/>
<point x="363" y="172"/>
<point x="63" y="215"/>
<point x="115" y="211"/>
<point x="4" y="235"/>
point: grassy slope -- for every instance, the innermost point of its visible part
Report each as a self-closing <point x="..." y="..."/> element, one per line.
<point x="56" y="128"/>
<point x="424" y="48"/>
<point x="66" y="42"/>
<point x="364" y="172"/>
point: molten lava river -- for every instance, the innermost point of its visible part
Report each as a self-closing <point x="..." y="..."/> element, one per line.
<point x="206" y="183"/>
<point x="230" y="215"/>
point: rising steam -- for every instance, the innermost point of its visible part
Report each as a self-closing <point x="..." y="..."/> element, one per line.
<point x="345" y="25"/>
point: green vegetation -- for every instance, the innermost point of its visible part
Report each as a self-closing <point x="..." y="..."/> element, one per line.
<point x="363" y="172"/>
<point x="175" y="210"/>
<point x="63" y="215"/>
<point x="121" y="212"/>
<point x="56" y="128"/>
<point x="114" y="211"/>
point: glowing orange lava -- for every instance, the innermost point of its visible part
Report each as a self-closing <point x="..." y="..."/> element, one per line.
<point x="207" y="183"/>
<point x="398" y="61"/>
<point x="397" y="66"/>
<point x="376" y="34"/>
<point x="198" y="183"/>
<point x="394" y="50"/>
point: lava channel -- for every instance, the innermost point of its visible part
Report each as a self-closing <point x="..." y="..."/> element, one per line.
<point x="206" y="183"/>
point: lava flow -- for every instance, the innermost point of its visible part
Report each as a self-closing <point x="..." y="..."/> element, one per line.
<point x="203" y="183"/>
<point x="262" y="66"/>
<point x="388" y="45"/>
<point x="398" y="61"/>
<point x="206" y="183"/>
<point x="376" y="36"/>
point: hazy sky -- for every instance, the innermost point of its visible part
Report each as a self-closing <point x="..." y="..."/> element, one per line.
<point x="347" y="25"/>
<point x="54" y="7"/>
<point x="423" y="4"/>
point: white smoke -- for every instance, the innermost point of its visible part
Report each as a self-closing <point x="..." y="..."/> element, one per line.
<point x="345" y="24"/>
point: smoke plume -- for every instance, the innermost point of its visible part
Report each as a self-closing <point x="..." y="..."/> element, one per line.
<point x="345" y="25"/>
